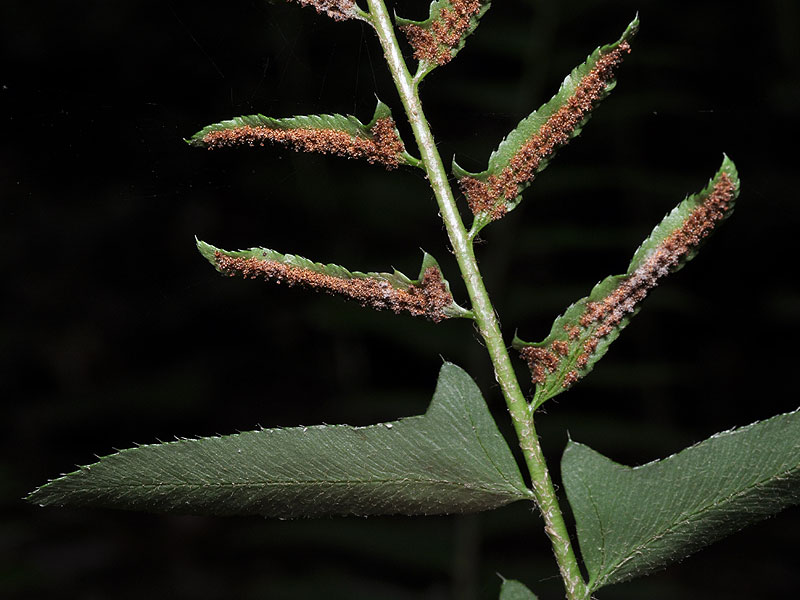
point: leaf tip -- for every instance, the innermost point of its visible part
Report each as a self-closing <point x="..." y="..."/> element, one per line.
<point x="632" y="29"/>
<point x="30" y="497"/>
<point x="382" y="111"/>
<point x="729" y="168"/>
<point x="198" y="139"/>
<point x="427" y="262"/>
<point x="45" y="495"/>
<point x="206" y="250"/>
<point x="517" y="343"/>
<point x="459" y="171"/>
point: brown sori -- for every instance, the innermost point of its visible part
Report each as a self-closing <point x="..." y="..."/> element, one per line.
<point x="335" y="9"/>
<point x="384" y="147"/>
<point x="435" y="43"/>
<point x="429" y="298"/>
<point x="541" y="362"/>
<point x="491" y="196"/>
<point x="602" y="317"/>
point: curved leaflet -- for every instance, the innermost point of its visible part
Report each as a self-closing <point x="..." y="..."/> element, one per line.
<point x="377" y="142"/>
<point x="528" y="149"/>
<point x="428" y="295"/>
<point x="581" y="336"/>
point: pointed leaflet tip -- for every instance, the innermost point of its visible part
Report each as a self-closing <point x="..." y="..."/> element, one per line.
<point x="430" y="266"/>
<point x="528" y="149"/>
<point x="729" y="167"/>
<point x="726" y="183"/>
<point x="458" y="170"/>
<point x="207" y="250"/>
<point x="428" y="296"/>
<point x="632" y="29"/>
<point x="382" y="111"/>
<point x="515" y="590"/>
<point x="377" y="142"/>
<point x="581" y="336"/>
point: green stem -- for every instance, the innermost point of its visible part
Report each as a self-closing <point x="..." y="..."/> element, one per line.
<point x="485" y="317"/>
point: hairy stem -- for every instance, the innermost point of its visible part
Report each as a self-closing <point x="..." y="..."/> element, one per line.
<point x="485" y="317"/>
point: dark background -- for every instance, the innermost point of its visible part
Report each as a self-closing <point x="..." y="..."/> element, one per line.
<point x="116" y="331"/>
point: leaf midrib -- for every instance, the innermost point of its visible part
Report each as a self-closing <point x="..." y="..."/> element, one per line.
<point x="326" y="482"/>
<point x="503" y="476"/>
<point x="692" y="517"/>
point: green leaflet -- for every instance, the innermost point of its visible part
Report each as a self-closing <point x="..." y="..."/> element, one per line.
<point x="527" y="150"/>
<point x="452" y="459"/>
<point x="631" y="521"/>
<point x="581" y="336"/>
<point x="344" y="123"/>
<point x="675" y="219"/>
<point x="441" y="36"/>
<point x="377" y="141"/>
<point x="428" y="295"/>
<point x="514" y="590"/>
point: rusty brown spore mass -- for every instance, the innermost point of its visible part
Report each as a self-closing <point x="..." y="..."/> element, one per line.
<point x="435" y="44"/>
<point x="662" y="260"/>
<point x="384" y="147"/>
<point x="429" y="298"/>
<point x="338" y="10"/>
<point x="541" y="362"/>
<point x="492" y="195"/>
<point x="601" y="318"/>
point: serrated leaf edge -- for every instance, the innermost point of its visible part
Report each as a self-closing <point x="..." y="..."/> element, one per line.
<point x="513" y="489"/>
<point x="582" y="334"/>
<point x="429" y="295"/>
<point x="596" y="583"/>
<point x="344" y="135"/>
<point x="496" y="191"/>
<point x="438" y="39"/>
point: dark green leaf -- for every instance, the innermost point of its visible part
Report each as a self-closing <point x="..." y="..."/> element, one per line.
<point x="527" y="150"/>
<point x="632" y="521"/>
<point x="514" y="590"/>
<point x="452" y="459"/>
<point x="441" y="36"/>
<point x="582" y="335"/>
<point x="428" y="295"/>
<point x="377" y="141"/>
